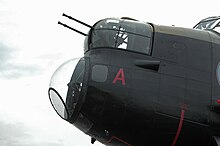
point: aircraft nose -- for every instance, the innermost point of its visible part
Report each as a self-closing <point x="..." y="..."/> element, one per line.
<point x="66" y="88"/>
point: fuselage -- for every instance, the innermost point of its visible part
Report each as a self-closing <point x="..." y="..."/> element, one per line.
<point x="146" y="84"/>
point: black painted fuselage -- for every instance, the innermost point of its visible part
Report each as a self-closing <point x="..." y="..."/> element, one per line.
<point x="140" y="84"/>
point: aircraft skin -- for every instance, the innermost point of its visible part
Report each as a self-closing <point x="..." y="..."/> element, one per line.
<point x="166" y="96"/>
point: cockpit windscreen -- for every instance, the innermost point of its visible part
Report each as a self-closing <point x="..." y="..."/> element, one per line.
<point x="212" y="23"/>
<point x="122" y="34"/>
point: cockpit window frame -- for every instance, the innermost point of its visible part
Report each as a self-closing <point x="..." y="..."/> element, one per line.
<point x="211" y="23"/>
<point x="147" y="40"/>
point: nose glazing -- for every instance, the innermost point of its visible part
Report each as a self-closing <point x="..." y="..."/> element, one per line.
<point x="66" y="86"/>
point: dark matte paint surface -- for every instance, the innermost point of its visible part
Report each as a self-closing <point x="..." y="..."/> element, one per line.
<point x="178" y="80"/>
<point x="147" y="110"/>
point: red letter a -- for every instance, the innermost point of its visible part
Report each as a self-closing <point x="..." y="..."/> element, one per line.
<point x="120" y="77"/>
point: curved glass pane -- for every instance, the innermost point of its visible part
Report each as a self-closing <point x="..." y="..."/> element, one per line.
<point x="218" y="73"/>
<point x="209" y="23"/>
<point x="217" y="28"/>
<point x="58" y="104"/>
<point x="62" y="76"/>
<point x="123" y="34"/>
<point x="59" y="86"/>
<point x="75" y="87"/>
<point x="78" y="73"/>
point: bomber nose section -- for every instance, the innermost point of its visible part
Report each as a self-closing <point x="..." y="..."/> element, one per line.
<point x="67" y="89"/>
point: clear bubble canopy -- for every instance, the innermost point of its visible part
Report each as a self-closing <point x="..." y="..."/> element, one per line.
<point x="65" y="76"/>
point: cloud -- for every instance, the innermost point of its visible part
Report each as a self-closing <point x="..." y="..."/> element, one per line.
<point x="10" y="68"/>
<point x="17" y="134"/>
<point x="5" y="52"/>
<point x="12" y="71"/>
<point x="11" y="133"/>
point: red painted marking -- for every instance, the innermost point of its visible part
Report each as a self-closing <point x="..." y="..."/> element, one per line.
<point x="120" y="77"/>
<point x="184" y="106"/>
<point x="114" y="137"/>
<point x="179" y="128"/>
<point x="218" y="101"/>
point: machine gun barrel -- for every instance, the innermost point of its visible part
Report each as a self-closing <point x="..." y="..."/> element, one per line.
<point x="74" y="19"/>
<point x="72" y="28"/>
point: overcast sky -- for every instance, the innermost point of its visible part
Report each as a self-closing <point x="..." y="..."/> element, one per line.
<point x="33" y="45"/>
